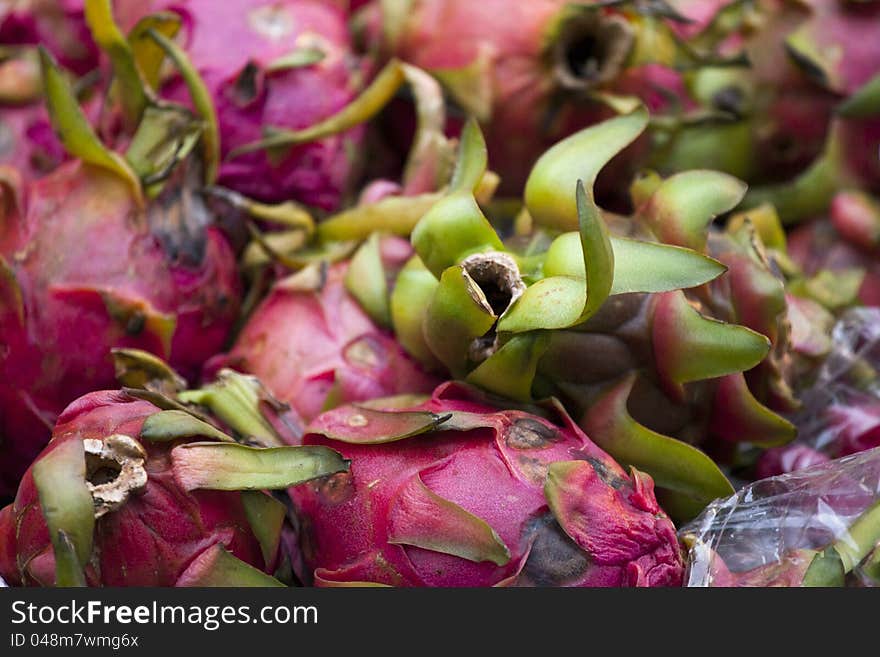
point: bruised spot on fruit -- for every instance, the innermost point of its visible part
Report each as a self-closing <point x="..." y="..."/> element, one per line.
<point x="364" y="353"/>
<point x="611" y="478"/>
<point x="526" y="433"/>
<point x="273" y="21"/>
<point x="357" y="420"/>
<point x="336" y="489"/>
<point x="496" y="284"/>
<point x="534" y="470"/>
<point x="114" y="471"/>
<point x="591" y="50"/>
<point x="554" y="559"/>
<point x="180" y="215"/>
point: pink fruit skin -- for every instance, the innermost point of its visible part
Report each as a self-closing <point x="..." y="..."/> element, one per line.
<point x="302" y="344"/>
<point x="530" y="109"/>
<point x="819" y="245"/>
<point x="796" y="109"/>
<point x="782" y="460"/>
<point x="856" y="428"/>
<point x="222" y="38"/>
<point x="59" y="25"/>
<point x="861" y="139"/>
<point x="152" y="538"/>
<point x="847" y="429"/>
<point x="452" y="33"/>
<point x="846" y="36"/>
<point x="27" y="141"/>
<point x="349" y="520"/>
<point x="848" y="33"/>
<point x="75" y="251"/>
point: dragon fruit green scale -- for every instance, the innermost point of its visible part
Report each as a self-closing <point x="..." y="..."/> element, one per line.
<point x="453" y="492"/>
<point x="691" y="321"/>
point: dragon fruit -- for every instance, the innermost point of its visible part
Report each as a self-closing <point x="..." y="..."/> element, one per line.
<point x="699" y="347"/>
<point x="452" y="491"/>
<point x="319" y="338"/>
<point x="311" y="343"/>
<point x="127" y="494"/>
<point x="535" y="72"/>
<point x="848" y="241"/>
<point x="96" y="256"/>
<point x="27" y="142"/>
<point x="61" y="26"/>
<point x="292" y="66"/>
<point x="788" y="458"/>
<point x="57" y="24"/>
<point x="805" y="110"/>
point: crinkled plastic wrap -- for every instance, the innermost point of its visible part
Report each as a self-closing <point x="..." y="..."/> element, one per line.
<point x="840" y="411"/>
<point x="816" y="527"/>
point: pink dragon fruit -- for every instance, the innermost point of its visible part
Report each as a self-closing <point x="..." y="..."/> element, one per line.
<point x="89" y="264"/>
<point x="780" y="460"/>
<point x="57" y="24"/>
<point x="848" y="240"/>
<point x="807" y="112"/>
<point x="128" y="495"/>
<point x="291" y="66"/>
<point x="535" y="72"/>
<point x="691" y="370"/>
<point x="27" y="142"/>
<point x="314" y="345"/>
<point x="61" y="27"/>
<point x="455" y="492"/>
<point x="147" y="283"/>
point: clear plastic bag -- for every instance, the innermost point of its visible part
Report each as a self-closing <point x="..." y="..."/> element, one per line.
<point x="840" y="411"/>
<point x="816" y="527"/>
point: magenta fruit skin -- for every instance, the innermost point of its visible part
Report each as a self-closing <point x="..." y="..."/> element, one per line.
<point x="85" y="277"/>
<point x="232" y="45"/>
<point x="616" y="534"/>
<point x="153" y="538"/>
<point x="306" y="345"/>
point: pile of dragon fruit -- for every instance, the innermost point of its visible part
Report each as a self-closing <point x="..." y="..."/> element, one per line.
<point x="440" y="293"/>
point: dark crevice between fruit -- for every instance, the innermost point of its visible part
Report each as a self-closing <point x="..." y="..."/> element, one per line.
<point x="731" y="100"/>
